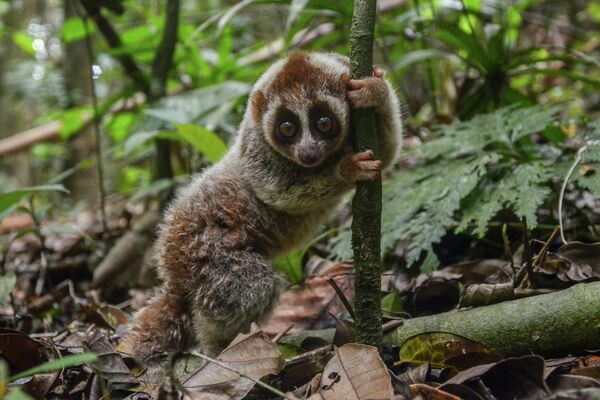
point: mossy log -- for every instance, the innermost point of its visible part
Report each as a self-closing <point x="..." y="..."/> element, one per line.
<point x="554" y="324"/>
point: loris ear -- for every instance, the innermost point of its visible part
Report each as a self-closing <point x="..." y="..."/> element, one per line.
<point x="259" y="106"/>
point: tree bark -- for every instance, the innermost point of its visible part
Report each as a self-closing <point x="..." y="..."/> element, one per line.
<point x="83" y="184"/>
<point x="163" y="60"/>
<point x="554" y="324"/>
<point x="366" y="205"/>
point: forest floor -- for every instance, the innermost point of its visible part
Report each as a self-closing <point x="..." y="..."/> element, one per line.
<point x="56" y="311"/>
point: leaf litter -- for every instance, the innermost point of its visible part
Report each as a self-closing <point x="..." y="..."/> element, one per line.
<point x="315" y="359"/>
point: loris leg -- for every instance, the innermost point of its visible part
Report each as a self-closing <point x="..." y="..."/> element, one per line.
<point x="235" y="289"/>
<point x="162" y="327"/>
<point x="376" y="92"/>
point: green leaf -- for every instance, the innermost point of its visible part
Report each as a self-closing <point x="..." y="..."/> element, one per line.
<point x="296" y="7"/>
<point x="291" y="265"/>
<point x="24" y="42"/>
<point x="442" y="350"/>
<point x="520" y="189"/>
<point x="434" y="197"/>
<point x="152" y="190"/>
<point x="61" y="363"/>
<point x="74" y="28"/>
<point x="17" y="394"/>
<point x="120" y="125"/>
<point x="464" y="45"/>
<point x="416" y="56"/>
<point x="7" y="283"/>
<point x="230" y="13"/>
<point x="190" y="106"/>
<point x="73" y="120"/>
<point x="593" y="10"/>
<point x="393" y="304"/>
<point x="11" y="199"/>
<point x="136" y="140"/>
<point x="205" y="141"/>
<point x="3" y="378"/>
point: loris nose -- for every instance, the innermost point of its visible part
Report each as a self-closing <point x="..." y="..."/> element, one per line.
<point x="308" y="157"/>
<point x="308" y="153"/>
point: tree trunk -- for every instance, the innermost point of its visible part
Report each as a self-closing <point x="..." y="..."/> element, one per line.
<point x="161" y="65"/>
<point x="554" y="324"/>
<point x="83" y="184"/>
<point x="366" y="206"/>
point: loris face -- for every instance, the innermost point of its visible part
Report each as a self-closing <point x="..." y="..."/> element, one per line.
<point x="300" y="106"/>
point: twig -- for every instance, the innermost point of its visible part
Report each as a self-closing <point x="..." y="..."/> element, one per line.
<point x="95" y="120"/>
<point x="540" y="257"/>
<point x="342" y="297"/>
<point x="309" y="354"/>
<point x="41" y="281"/>
<point x="564" y="186"/>
<point x="283" y="332"/>
<point x="114" y="42"/>
<point x="161" y="65"/>
<point x="256" y="381"/>
<point x="391" y="325"/>
<point x="508" y="253"/>
<point x="527" y="256"/>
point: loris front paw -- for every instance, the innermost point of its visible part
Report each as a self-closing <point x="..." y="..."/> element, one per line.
<point x="359" y="167"/>
<point x="368" y="92"/>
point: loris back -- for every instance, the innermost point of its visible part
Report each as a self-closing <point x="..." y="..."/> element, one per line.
<point x="288" y="170"/>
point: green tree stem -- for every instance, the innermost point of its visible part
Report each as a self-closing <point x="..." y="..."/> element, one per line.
<point x="366" y="206"/>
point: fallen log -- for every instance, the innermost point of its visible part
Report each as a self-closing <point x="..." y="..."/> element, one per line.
<point x="128" y="252"/>
<point x="554" y="324"/>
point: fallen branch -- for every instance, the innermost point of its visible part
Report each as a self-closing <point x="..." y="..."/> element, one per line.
<point x="129" y="249"/>
<point x="553" y="324"/>
<point x="51" y="130"/>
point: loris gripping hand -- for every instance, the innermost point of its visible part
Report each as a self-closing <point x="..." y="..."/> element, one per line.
<point x="373" y="92"/>
<point x="286" y="174"/>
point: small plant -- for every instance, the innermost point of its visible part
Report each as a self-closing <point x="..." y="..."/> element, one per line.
<point x="50" y="366"/>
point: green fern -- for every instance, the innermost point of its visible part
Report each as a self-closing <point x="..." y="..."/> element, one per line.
<point x="472" y="171"/>
<point x="521" y="190"/>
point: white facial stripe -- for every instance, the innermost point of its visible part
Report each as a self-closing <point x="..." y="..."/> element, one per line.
<point x="269" y="75"/>
<point x="340" y="106"/>
<point x="269" y="118"/>
<point x="329" y="63"/>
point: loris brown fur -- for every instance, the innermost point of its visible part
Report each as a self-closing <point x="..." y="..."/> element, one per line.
<point x="288" y="170"/>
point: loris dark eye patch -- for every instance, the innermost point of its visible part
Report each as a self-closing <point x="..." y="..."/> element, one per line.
<point x="323" y="122"/>
<point x="287" y="125"/>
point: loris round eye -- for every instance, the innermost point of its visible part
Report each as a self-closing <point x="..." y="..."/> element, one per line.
<point x="325" y="124"/>
<point x="287" y="129"/>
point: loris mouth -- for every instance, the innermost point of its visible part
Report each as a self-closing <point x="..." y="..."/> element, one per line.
<point x="309" y="160"/>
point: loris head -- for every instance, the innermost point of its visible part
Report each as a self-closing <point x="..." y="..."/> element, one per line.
<point x="299" y="105"/>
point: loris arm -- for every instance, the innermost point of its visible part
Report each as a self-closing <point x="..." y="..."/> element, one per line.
<point x="378" y="93"/>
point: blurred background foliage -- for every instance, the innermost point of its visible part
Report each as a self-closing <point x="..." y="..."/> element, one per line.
<point x="499" y="96"/>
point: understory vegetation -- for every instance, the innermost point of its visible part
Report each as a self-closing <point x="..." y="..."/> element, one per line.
<point x="107" y="108"/>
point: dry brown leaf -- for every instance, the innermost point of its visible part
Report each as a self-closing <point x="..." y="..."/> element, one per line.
<point x="110" y="364"/>
<point x="309" y="305"/>
<point x="252" y="354"/>
<point x="355" y="372"/>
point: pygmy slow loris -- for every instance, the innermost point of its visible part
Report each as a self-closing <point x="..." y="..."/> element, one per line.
<point x="284" y="176"/>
